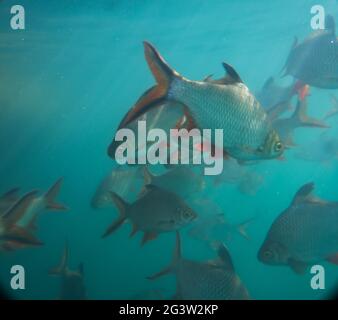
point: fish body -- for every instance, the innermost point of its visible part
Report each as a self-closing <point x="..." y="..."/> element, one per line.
<point x="315" y="60"/>
<point x="124" y="180"/>
<point x="273" y="94"/>
<point x="321" y="150"/>
<point x="212" y="280"/>
<point x="247" y="131"/>
<point x="157" y="211"/>
<point x="304" y="234"/>
<point x="181" y="180"/>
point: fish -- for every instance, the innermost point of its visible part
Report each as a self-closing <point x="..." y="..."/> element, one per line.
<point x="212" y="280"/>
<point x="322" y="150"/>
<point x="247" y="132"/>
<point x="286" y="126"/>
<point x="315" y="60"/>
<point x="250" y="183"/>
<point x="8" y="199"/>
<point x="157" y="211"/>
<point x="214" y="227"/>
<point x="41" y="204"/>
<point x="126" y="181"/>
<point x="181" y="180"/>
<point x="274" y="97"/>
<point x="13" y="236"/>
<point x="72" y="281"/>
<point x="304" y="234"/>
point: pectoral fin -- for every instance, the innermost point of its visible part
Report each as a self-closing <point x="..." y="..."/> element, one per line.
<point x="297" y="266"/>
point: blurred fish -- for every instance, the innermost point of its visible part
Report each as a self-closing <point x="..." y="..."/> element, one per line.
<point x="250" y="183"/>
<point x="213" y="280"/>
<point x="272" y="95"/>
<point x="157" y="211"/>
<point x="334" y="110"/>
<point x="124" y="180"/>
<point x="13" y="236"/>
<point x="8" y="199"/>
<point x="181" y="180"/>
<point x="247" y="181"/>
<point x="315" y="60"/>
<point x="72" y="282"/>
<point x="303" y="234"/>
<point x="214" y="227"/>
<point x="285" y="127"/>
<point x="247" y="131"/>
<point x="41" y="204"/>
<point x="323" y="149"/>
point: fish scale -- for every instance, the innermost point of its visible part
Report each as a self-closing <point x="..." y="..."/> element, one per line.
<point x="231" y="108"/>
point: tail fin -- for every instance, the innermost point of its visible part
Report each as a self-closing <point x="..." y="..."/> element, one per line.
<point x="122" y="207"/>
<point x="163" y="75"/>
<point x="63" y="265"/>
<point x="241" y="228"/>
<point x="176" y="258"/>
<point x="17" y="211"/>
<point x="303" y="120"/>
<point x="51" y="195"/>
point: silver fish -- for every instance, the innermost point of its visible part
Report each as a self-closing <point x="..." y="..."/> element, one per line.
<point x="213" y="280"/>
<point x="157" y="211"/>
<point x="181" y="180"/>
<point x="303" y="234"/>
<point x="126" y="181"/>
<point x="247" y="131"/>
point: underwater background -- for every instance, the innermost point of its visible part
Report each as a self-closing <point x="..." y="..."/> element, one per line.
<point x="66" y="82"/>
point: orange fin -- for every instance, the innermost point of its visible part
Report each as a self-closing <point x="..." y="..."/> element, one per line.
<point x="21" y="236"/>
<point x="333" y="259"/>
<point x="62" y="267"/>
<point x="148" y="236"/>
<point x="163" y="75"/>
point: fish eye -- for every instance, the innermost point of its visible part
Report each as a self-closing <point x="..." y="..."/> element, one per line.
<point x="267" y="254"/>
<point x="278" y="146"/>
<point x="260" y="149"/>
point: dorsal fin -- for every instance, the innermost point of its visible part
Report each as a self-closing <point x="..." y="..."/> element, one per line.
<point x="232" y="75"/>
<point x="303" y="193"/>
<point x="330" y="24"/>
<point x="225" y="258"/>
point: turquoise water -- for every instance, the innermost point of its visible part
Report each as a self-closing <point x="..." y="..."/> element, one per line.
<point x="66" y="82"/>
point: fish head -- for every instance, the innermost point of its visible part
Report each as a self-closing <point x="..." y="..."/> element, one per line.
<point x="273" y="253"/>
<point x="273" y="147"/>
<point x="184" y="214"/>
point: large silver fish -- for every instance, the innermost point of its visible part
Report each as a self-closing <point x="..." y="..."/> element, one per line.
<point x="303" y="234"/>
<point x="212" y="280"/>
<point x="247" y="131"/>
<point x="72" y="282"/>
<point x="157" y="211"/>
<point x="315" y="60"/>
